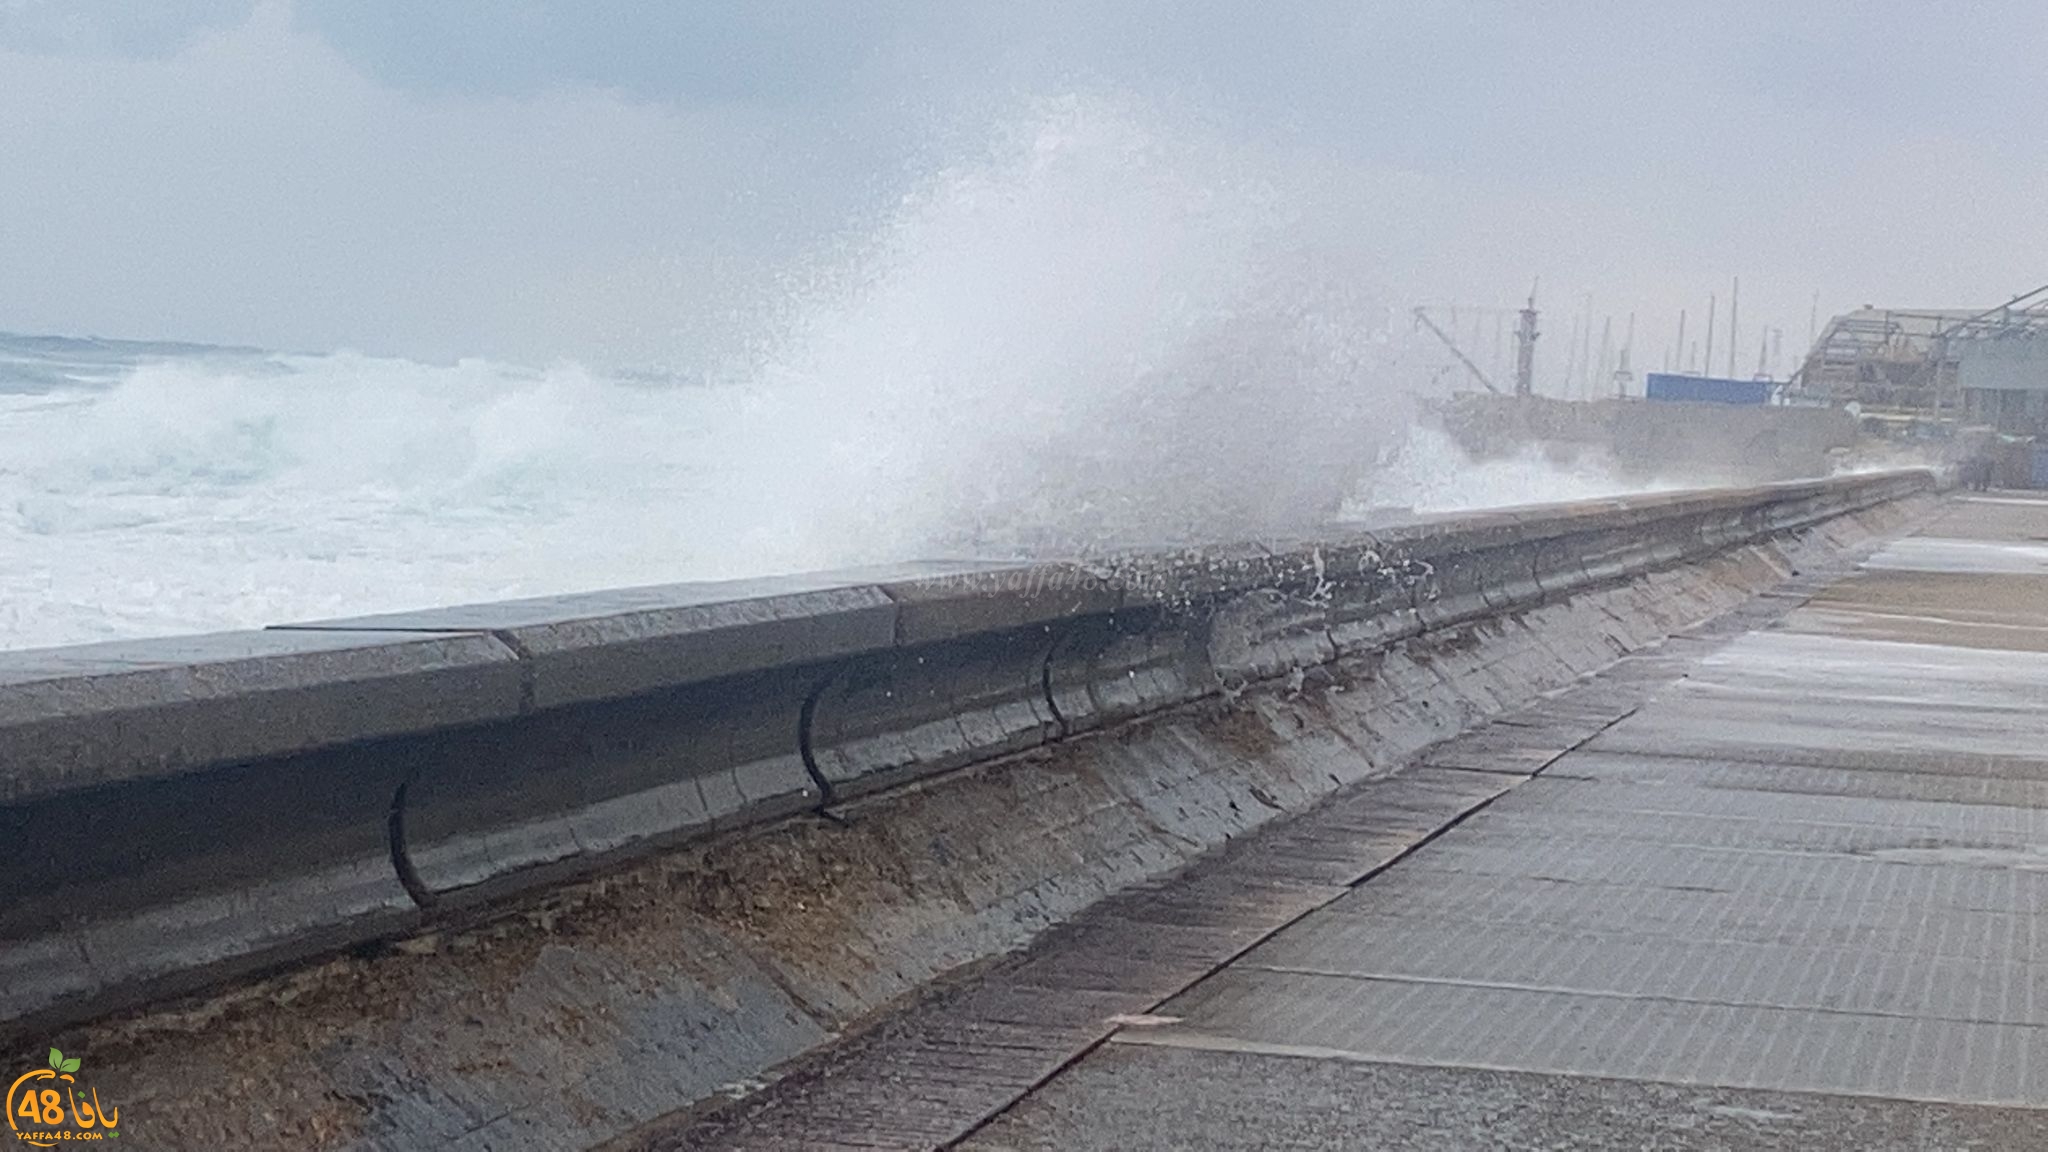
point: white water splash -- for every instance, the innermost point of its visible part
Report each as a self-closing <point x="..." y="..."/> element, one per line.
<point x="1427" y="472"/>
<point x="1092" y="336"/>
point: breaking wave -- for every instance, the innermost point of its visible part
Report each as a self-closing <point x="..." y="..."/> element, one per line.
<point x="1090" y="336"/>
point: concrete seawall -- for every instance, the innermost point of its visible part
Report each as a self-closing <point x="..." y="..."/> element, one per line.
<point x="528" y="874"/>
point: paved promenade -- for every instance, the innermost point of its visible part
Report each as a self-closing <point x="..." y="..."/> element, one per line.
<point x="1795" y="899"/>
<point x="1779" y="883"/>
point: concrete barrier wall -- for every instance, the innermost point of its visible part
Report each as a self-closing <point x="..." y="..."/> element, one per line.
<point x="182" y="811"/>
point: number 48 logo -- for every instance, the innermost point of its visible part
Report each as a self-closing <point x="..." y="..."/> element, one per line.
<point x="46" y="1108"/>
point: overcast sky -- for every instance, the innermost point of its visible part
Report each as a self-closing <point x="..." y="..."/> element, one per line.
<point x="624" y="183"/>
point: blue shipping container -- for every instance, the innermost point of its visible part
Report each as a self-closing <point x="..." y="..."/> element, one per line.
<point x="1706" y="389"/>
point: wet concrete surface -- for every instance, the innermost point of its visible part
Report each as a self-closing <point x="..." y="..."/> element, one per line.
<point x="1973" y="580"/>
<point x="1791" y="899"/>
<point x="1191" y="1099"/>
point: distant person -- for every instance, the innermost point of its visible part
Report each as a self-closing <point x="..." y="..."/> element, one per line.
<point x="1976" y="473"/>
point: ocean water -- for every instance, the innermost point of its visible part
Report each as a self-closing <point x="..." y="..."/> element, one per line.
<point x="1086" y="337"/>
<point x="198" y="492"/>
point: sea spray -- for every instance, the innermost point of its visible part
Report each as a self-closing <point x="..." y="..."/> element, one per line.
<point x="1097" y="332"/>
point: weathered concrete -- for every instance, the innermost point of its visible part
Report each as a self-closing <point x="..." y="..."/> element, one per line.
<point x="1156" y="1097"/>
<point x="1071" y="732"/>
<point x="608" y="645"/>
<point x="935" y="1073"/>
<point x="100" y="714"/>
<point x="1785" y="901"/>
<point x="613" y="1001"/>
<point x="997" y="598"/>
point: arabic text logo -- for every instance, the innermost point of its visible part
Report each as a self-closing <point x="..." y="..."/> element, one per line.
<point x="44" y="1115"/>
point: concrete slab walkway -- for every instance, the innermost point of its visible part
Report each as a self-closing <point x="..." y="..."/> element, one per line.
<point x="1793" y="899"/>
<point x="1774" y="884"/>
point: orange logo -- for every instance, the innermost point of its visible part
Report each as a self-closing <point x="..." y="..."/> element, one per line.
<point x="44" y="1116"/>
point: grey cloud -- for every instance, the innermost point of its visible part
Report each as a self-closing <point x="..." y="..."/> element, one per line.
<point x="112" y="27"/>
<point x="631" y="182"/>
<point x="774" y="52"/>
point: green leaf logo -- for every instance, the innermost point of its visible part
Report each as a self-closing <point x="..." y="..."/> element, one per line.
<point x="58" y="1062"/>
